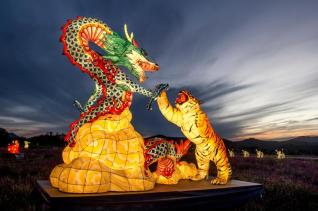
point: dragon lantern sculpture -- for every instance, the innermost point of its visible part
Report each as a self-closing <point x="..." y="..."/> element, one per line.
<point x="105" y="153"/>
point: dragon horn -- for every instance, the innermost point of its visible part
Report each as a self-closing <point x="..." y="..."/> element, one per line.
<point x="129" y="38"/>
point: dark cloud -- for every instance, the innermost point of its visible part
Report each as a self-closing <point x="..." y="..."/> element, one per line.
<point x="217" y="89"/>
<point x="313" y="119"/>
<point x="260" y="111"/>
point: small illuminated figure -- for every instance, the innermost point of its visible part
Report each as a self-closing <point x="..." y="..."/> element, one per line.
<point x="231" y="153"/>
<point x="246" y="154"/>
<point x="195" y="125"/>
<point x="26" y="144"/>
<point x="14" y="147"/>
<point x="259" y="154"/>
<point x="280" y="154"/>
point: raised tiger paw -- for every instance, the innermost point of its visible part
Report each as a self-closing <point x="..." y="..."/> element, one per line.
<point x="218" y="181"/>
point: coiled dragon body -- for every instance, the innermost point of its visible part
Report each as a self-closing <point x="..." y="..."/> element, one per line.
<point x="113" y="92"/>
<point x="156" y="148"/>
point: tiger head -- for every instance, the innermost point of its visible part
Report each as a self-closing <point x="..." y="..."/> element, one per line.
<point x="185" y="102"/>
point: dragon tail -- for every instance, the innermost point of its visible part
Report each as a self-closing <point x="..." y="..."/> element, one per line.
<point x="76" y="34"/>
<point x="183" y="147"/>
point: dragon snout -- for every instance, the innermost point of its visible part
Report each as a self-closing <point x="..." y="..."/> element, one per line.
<point x="156" y="66"/>
<point x="147" y="66"/>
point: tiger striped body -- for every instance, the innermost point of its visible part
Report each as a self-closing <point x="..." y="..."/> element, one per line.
<point x="196" y="127"/>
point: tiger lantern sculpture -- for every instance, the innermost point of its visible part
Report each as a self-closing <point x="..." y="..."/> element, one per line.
<point x="188" y="115"/>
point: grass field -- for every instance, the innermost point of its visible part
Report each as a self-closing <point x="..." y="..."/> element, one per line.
<point x="289" y="184"/>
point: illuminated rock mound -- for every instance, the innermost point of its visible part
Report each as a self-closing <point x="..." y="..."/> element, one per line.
<point x="107" y="156"/>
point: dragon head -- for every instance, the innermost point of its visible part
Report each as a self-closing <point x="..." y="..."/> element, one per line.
<point x="126" y="52"/>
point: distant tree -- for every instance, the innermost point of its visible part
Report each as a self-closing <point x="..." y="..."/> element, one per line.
<point x="48" y="140"/>
<point x="4" y="137"/>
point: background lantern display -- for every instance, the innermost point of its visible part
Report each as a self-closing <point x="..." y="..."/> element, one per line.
<point x="14" y="147"/>
<point x="26" y="144"/>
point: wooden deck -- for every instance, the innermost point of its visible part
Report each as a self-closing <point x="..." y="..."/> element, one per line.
<point x="186" y="194"/>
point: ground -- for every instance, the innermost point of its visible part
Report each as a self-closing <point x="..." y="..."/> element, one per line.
<point x="289" y="184"/>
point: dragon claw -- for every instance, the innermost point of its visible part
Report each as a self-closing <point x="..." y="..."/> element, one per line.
<point x="78" y="105"/>
<point x="159" y="88"/>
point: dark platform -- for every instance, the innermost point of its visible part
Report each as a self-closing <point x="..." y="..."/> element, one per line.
<point x="186" y="194"/>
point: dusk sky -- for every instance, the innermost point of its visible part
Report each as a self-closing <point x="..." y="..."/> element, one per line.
<point x="254" y="64"/>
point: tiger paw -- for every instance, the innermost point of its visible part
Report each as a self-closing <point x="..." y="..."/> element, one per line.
<point x="218" y="181"/>
<point x="198" y="177"/>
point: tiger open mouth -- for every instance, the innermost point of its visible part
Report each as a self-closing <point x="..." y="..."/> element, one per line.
<point x="182" y="98"/>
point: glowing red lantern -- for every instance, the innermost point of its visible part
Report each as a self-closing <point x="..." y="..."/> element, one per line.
<point x="14" y="147"/>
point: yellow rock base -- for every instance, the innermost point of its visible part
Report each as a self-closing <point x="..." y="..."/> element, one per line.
<point x="107" y="156"/>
